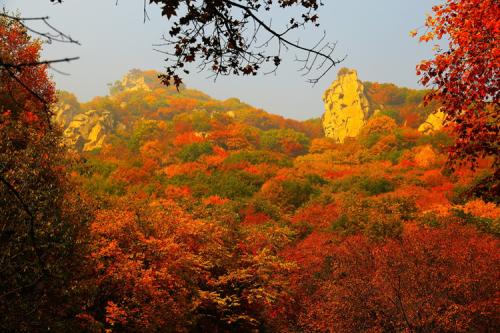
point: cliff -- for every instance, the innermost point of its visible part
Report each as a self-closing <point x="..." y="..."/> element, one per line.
<point x="350" y="103"/>
<point x="346" y="106"/>
<point x="88" y="131"/>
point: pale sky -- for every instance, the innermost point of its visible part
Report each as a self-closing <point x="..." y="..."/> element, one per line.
<point x="373" y="34"/>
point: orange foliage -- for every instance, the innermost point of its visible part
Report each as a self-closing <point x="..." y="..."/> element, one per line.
<point x="143" y="262"/>
<point x="182" y="169"/>
<point x="319" y="216"/>
<point x="464" y="74"/>
<point x="399" y="285"/>
<point x="327" y="244"/>
<point x="425" y="156"/>
<point x="381" y="125"/>
<point x="338" y="174"/>
<point x="215" y="200"/>
<point x="322" y="145"/>
<point x="177" y="193"/>
<point x="482" y="209"/>
<point x="182" y="104"/>
<point x="253" y="217"/>
<point x="187" y="138"/>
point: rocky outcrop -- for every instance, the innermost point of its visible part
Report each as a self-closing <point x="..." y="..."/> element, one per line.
<point x="346" y="106"/>
<point x="63" y="114"/>
<point x="66" y="108"/>
<point x="88" y="131"/>
<point x="433" y="123"/>
<point x="133" y="82"/>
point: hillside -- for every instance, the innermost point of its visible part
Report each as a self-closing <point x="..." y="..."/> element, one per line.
<point x="139" y="97"/>
<point x="162" y="209"/>
<point x="271" y="223"/>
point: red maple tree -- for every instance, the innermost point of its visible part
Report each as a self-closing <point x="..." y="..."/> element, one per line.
<point x="465" y="75"/>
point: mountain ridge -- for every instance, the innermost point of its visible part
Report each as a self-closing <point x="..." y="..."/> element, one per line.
<point x="140" y="95"/>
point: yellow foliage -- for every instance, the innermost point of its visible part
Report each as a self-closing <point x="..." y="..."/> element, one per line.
<point x="321" y="145"/>
<point x="483" y="209"/>
<point x="381" y="125"/>
<point x="425" y="156"/>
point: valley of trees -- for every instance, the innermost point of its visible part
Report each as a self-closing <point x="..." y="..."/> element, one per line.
<point x="200" y="215"/>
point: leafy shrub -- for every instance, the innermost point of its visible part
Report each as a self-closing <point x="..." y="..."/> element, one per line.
<point x="370" y="140"/>
<point x="296" y="193"/>
<point x="374" y="186"/>
<point x="394" y="114"/>
<point x="285" y="141"/>
<point x="375" y="129"/>
<point x="439" y="140"/>
<point x="378" y="218"/>
<point x="404" y="207"/>
<point x="393" y="156"/>
<point x="95" y="166"/>
<point x="258" y="157"/>
<point x="191" y="152"/>
<point x="315" y="179"/>
<point x="488" y="225"/>
<point x="143" y="131"/>
<point x="98" y="185"/>
<point x="383" y="226"/>
<point x="264" y="206"/>
<point x="407" y="138"/>
<point x="484" y="186"/>
<point x="345" y="184"/>
<point x="234" y="184"/>
<point x="459" y="216"/>
<point x="392" y="146"/>
<point x="362" y="217"/>
<point x="229" y="184"/>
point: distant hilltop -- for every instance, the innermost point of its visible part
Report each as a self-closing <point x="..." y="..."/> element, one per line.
<point x="350" y="103"/>
<point x="140" y="97"/>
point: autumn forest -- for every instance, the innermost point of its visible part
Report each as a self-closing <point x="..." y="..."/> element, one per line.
<point x="157" y="208"/>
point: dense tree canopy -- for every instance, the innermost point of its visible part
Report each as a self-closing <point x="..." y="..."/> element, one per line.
<point x="40" y="219"/>
<point x="199" y="215"/>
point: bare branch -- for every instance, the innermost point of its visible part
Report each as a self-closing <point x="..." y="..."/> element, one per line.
<point x="52" y="35"/>
<point x="35" y="63"/>
<point x="224" y="37"/>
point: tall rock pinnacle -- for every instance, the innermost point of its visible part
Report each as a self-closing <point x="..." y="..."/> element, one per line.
<point x="346" y="106"/>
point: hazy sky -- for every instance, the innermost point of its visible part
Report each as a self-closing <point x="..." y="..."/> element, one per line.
<point x="373" y="34"/>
